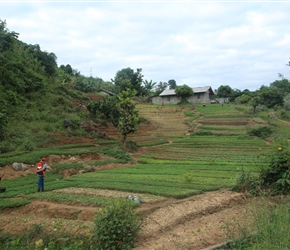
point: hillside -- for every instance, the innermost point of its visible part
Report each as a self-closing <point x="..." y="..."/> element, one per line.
<point x="198" y="222"/>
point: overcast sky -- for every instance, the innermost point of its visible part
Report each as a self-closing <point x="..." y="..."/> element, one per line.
<point x="243" y="44"/>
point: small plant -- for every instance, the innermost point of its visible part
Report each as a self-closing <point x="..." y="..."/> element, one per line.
<point x="247" y="183"/>
<point x="116" y="227"/>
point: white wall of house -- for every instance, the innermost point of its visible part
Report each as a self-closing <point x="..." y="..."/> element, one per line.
<point x="196" y="98"/>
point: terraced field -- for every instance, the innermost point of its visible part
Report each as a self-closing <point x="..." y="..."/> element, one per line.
<point x="186" y="161"/>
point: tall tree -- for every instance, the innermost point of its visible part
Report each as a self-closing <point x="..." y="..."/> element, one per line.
<point x="224" y="91"/>
<point x="283" y="85"/>
<point x="161" y="86"/>
<point x="149" y="85"/>
<point x="127" y="78"/>
<point x="270" y="97"/>
<point x="48" y="60"/>
<point x="6" y="37"/>
<point x="172" y="84"/>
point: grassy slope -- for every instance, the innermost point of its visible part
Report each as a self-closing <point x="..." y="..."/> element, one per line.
<point x="175" y="160"/>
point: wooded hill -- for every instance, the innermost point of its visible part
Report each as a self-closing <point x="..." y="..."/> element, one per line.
<point x="37" y="96"/>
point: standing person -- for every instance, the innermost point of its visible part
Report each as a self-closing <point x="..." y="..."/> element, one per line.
<point x="40" y="174"/>
<point x="44" y="165"/>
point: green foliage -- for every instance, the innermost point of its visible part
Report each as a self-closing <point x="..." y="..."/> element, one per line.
<point x="287" y="101"/>
<point x="262" y="132"/>
<point x="105" y="108"/>
<point x="183" y="92"/>
<point x="274" y="175"/>
<point x="172" y="84"/>
<point x="115" y="151"/>
<point x="132" y="146"/>
<point x="270" y="97"/>
<point x="277" y="175"/>
<point x="128" y="119"/>
<point x="116" y="227"/>
<point x="127" y="78"/>
<point x="247" y="183"/>
<point x="269" y="230"/>
<point x="5" y="203"/>
<point x="224" y="91"/>
<point x="202" y="132"/>
<point x="39" y="238"/>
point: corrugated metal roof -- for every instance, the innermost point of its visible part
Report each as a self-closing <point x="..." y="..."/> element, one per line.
<point x="201" y="89"/>
<point x="168" y="92"/>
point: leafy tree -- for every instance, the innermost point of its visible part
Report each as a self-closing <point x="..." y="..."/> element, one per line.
<point x="67" y="69"/>
<point x="183" y="92"/>
<point x="128" y="118"/>
<point x="161" y="86"/>
<point x="287" y="102"/>
<point x="149" y="85"/>
<point x="172" y="84"/>
<point x="47" y="60"/>
<point x="254" y="102"/>
<point x="270" y="96"/>
<point x="127" y="78"/>
<point x="6" y="37"/>
<point x="105" y="108"/>
<point x="120" y="110"/>
<point x="224" y="91"/>
<point x="283" y="85"/>
<point x="243" y="99"/>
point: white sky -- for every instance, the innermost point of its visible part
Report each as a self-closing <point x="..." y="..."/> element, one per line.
<point x="243" y="44"/>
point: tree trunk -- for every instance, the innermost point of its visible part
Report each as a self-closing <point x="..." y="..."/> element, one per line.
<point x="124" y="140"/>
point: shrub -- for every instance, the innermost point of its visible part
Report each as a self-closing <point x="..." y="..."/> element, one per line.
<point x="277" y="175"/>
<point x="116" y="227"/>
<point x="131" y="145"/>
<point x="247" y="183"/>
<point x="262" y="132"/>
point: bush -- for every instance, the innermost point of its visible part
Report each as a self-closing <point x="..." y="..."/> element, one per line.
<point x="262" y="132"/>
<point x="247" y="183"/>
<point x="116" y="227"/>
<point x="277" y="175"/>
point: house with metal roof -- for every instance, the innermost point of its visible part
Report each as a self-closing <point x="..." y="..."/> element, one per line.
<point x="105" y="92"/>
<point x="200" y="95"/>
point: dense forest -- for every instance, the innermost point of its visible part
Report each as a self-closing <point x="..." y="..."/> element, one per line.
<point x="37" y="95"/>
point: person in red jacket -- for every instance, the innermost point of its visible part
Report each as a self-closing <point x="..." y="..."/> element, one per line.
<point x="40" y="174"/>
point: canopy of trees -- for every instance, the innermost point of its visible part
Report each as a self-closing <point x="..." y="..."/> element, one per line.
<point x="127" y="78"/>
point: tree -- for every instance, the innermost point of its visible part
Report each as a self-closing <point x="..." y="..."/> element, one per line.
<point x="254" y="102"/>
<point x="283" y="85"/>
<point x="224" y="91"/>
<point x="183" y="92"/>
<point x="270" y="97"/>
<point x="172" y="84"/>
<point x="6" y="37"/>
<point x="67" y="69"/>
<point x="128" y="118"/>
<point x="149" y="85"/>
<point x="287" y="102"/>
<point x="47" y="60"/>
<point x="161" y="86"/>
<point x="134" y="80"/>
<point x="120" y="110"/>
